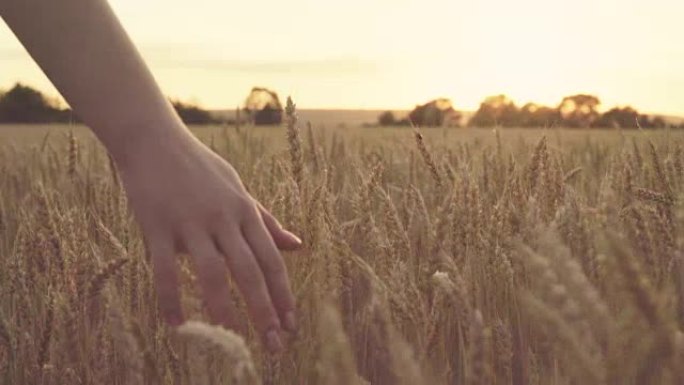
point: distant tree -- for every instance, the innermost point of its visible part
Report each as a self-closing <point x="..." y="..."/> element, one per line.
<point x="267" y="116"/>
<point x="646" y="121"/>
<point x="496" y="110"/>
<point x="191" y="114"/>
<point x="579" y="110"/>
<point x="625" y="117"/>
<point x="628" y="117"/>
<point x="387" y="119"/>
<point x="534" y="115"/>
<point x="436" y="113"/>
<point x="658" y="122"/>
<point x="263" y="107"/>
<point x="23" y="104"/>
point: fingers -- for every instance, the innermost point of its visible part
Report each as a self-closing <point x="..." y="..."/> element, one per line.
<point x="284" y="239"/>
<point x="213" y="279"/>
<point x="273" y="268"/>
<point x="250" y="280"/>
<point x="162" y="254"/>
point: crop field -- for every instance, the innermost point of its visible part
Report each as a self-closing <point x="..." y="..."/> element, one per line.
<point x="448" y="256"/>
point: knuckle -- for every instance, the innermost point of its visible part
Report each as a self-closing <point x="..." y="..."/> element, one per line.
<point x="265" y="316"/>
<point x="186" y="231"/>
<point x="217" y="217"/>
<point x="249" y="278"/>
<point x="245" y="252"/>
<point x="242" y="257"/>
<point x="209" y="265"/>
<point x="247" y="208"/>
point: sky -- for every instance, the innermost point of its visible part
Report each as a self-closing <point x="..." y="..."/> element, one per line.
<point x="394" y="54"/>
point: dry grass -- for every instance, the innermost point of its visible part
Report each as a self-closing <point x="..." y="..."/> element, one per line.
<point x="445" y="257"/>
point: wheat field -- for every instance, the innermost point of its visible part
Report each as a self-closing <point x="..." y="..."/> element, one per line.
<point x="431" y="257"/>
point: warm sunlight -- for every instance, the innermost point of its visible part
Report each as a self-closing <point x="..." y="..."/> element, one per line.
<point x="394" y="54"/>
<point x="350" y="192"/>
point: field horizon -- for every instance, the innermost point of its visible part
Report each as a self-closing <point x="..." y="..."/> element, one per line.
<point x="352" y="117"/>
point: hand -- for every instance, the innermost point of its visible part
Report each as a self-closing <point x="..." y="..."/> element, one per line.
<point x="189" y="200"/>
<point x="186" y="199"/>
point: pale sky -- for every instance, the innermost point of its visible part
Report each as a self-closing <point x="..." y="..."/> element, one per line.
<point x="394" y="54"/>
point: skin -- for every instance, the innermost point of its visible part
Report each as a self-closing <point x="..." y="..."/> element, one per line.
<point x="186" y="199"/>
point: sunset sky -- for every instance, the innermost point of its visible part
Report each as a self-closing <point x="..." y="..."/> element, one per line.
<point x="375" y="54"/>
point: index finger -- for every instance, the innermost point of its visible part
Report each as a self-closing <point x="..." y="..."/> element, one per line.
<point x="164" y="269"/>
<point x="273" y="266"/>
<point x="213" y="278"/>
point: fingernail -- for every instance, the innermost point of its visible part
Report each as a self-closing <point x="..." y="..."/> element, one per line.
<point x="273" y="343"/>
<point x="294" y="238"/>
<point x="290" y="322"/>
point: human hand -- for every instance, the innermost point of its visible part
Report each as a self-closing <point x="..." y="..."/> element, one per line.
<point x="189" y="200"/>
<point x="186" y="198"/>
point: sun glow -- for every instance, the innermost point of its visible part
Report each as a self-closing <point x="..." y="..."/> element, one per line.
<point x="394" y="54"/>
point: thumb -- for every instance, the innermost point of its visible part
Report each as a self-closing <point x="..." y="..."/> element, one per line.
<point x="284" y="239"/>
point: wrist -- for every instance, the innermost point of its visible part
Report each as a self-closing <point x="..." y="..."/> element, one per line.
<point x="151" y="139"/>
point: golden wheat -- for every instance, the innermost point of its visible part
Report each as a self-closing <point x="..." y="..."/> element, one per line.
<point x="484" y="258"/>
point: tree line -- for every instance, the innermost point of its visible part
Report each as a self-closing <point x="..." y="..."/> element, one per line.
<point x="23" y="104"/>
<point x="575" y="111"/>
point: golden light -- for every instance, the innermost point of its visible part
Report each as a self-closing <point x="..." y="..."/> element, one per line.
<point x="395" y="54"/>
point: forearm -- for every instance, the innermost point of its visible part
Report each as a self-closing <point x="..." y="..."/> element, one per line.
<point x="83" y="49"/>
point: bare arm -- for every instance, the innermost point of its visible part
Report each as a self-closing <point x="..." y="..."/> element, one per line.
<point x="185" y="198"/>
<point x="87" y="55"/>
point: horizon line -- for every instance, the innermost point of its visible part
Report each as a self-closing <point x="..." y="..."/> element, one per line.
<point x="189" y="100"/>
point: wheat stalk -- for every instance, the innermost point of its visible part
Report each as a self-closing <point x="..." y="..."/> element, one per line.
<point x="229" y="343"/>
